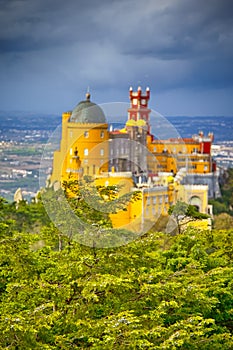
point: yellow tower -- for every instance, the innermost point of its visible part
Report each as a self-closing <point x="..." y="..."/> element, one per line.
<point x="84" y="143"/>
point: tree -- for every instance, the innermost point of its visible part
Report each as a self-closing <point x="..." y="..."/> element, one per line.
<point x="219" y="206"/>
<point x="223" y="221"/>
<point x="158" y="292"/>
<point x="183" y="213"/>
<point x="80" y="210"/>
<point x="224" y="204"/>
<point x="85" y="193"/>
<point x="26" y="216"/>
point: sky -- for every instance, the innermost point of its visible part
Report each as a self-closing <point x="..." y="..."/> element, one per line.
<point x="52" y="51"/>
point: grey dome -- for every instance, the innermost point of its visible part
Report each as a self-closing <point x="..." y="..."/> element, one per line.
<point x="87" y="112"/>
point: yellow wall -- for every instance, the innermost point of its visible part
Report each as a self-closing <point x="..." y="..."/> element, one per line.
<point x="172" y="156"/>
<point x="152" y="203"/>
<point x="195" y="195"/>
<point x="91" y="141"/>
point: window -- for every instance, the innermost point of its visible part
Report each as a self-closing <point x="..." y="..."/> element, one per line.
<point x="148" y="201"/>
<point x="85" y="151"/>
<point x="102" y="152"/>
<point x="76" y="152"/>
<point x="155" y="149"/>
<point x="85" y="161"/>
<point x="71" y="151"/>
<point x="102" y="134"/>
<point x="71" y="134"/>
<point x="154" y="200"/>
<point x="86" y="134"/>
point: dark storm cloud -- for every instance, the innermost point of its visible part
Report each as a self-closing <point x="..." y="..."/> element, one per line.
<point x="58" y="46"/>
<point x="198" y="33"/>
<point x="54" y="22"/>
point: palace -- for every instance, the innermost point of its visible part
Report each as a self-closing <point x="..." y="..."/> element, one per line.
<point x="164" y="171"/>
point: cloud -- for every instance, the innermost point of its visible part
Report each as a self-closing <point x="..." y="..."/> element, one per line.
<point x="56" y="48"/>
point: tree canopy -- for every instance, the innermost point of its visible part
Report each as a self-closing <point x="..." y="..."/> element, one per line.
<point x="157" y="292"/>
<point x="224" y="204"/>
<point x="182" y="213"/>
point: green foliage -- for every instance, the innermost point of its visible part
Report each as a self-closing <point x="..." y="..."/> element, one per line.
<point x="82" y="211"/>
<point x="158" y="292"/>
<point x="25" y="216"/>
<point x="223" y="221"/>
<point x="227" y="189"/>
<point x="184" y="209"/>
<point x="219" y="206"/>
<point x="90" y="199"/>
<point x="86" y="201"/>
<point x="183" y="213"/>
<point x="224" y="204"/>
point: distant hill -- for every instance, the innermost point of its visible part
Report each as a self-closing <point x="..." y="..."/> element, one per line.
<point x="221" y="126"/>
<point x="28" y="121"/>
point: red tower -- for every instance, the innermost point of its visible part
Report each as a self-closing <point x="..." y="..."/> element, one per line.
<point x="139" y="106"/>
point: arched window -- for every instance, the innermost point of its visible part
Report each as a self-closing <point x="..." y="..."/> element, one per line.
<point x="196" y="202"/>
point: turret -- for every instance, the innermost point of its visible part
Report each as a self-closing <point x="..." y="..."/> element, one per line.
<point x="139" y="106"/>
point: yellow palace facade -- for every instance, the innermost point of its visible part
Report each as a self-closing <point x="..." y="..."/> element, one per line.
<point x="133" y="159"/>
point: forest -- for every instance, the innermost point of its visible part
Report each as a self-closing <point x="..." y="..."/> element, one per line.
<point x="159" y="291"/>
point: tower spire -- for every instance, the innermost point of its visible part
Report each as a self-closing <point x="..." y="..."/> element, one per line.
<point x="88" y="95"/>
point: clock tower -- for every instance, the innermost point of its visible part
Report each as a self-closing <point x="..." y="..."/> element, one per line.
<point x="139" y="106"/>
<point x="138" y="127"/>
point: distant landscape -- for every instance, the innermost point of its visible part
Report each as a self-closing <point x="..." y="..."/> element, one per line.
<point x="11" y="123"/>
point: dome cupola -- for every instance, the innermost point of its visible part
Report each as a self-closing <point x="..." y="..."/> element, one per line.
<point x="87" y="112"/>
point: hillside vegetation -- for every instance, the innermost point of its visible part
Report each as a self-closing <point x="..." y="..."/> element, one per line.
<point x="224" y="204"/>
<point x="158" y="292"/>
